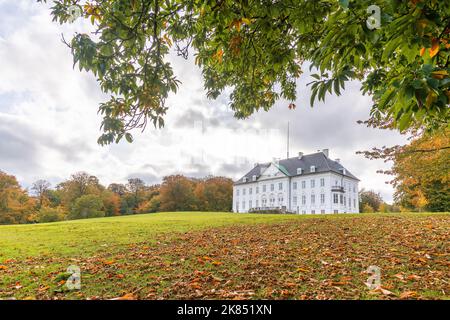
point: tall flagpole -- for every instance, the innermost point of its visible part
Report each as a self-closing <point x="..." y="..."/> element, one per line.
<point x="288" y="141"/>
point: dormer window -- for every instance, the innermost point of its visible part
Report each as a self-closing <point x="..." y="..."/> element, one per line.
<point x="254" y="177"/>
<point x="299" y="171"/>
<point x="313" y="168"/>
<point x="245" y="179"/>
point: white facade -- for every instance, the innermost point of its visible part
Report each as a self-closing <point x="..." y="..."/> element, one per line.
<point x="303" y="193"/>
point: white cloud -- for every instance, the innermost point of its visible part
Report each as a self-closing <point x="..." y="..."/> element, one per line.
<point x="49" y="122"/>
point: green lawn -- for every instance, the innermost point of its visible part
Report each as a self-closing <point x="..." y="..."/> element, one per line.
<point x="223" y="255"/>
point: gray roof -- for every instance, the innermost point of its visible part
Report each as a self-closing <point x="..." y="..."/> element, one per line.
<point x="289" y="167"/>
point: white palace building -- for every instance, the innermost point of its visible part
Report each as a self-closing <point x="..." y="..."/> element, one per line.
<point x="306" y="184"/>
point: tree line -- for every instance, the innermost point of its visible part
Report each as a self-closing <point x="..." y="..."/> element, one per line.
<point x="83" y="196"/>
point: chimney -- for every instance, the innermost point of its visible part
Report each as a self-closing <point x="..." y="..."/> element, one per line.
<point x="338" y="160"/>
<point x="300" y="155"/>
<point x="326" y="152"/>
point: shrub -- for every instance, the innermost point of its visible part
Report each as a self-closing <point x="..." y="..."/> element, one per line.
<point x="151" y="205"/>
<point x="87" y="206"/>
<point x="367" y="208"/>
<point x="47" y="214"/>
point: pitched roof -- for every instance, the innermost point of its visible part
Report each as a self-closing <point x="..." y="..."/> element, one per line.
<point x="289" y="167"/>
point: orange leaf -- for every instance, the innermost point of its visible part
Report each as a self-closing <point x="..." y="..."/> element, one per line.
<point x="434" y="48"/>
<point x="3" y="267"/>
<point x="408" y="294"/>
<point x="422" y="51"/>
<point x="128" y="296"/>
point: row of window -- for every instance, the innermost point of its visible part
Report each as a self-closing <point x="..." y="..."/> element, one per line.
<point x="337" y="199"/>
<point x="312" y="184"/>
<point x="342" y="199"/>
<point x="314" y="211"/>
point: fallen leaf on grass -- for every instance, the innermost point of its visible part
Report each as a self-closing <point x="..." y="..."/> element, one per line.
<point x="128" y="296"/>
<point x="44" y="288"/>
<point x="408" y="294"/>
<point x="381" y="290"/>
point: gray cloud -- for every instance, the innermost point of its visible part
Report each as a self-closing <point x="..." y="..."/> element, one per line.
<point x="58" y="123"/>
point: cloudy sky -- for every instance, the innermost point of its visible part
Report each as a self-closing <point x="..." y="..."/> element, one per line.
<point x="49" y="123"/>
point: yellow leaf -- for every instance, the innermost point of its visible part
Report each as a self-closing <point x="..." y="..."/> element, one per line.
<point x="439" y="74"/>
<point x="246" y="20"/>
<point x="431" y="97"/>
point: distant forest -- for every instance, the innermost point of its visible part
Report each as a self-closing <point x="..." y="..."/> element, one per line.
<point x="83" y="196"/>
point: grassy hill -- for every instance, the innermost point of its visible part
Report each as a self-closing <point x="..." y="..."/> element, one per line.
<point x="222" y="255"/>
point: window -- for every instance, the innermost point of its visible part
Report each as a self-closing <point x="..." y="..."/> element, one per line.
<point x="354" y="203"/>
<point x="303" y="199"/>
<point x="322" y="182"/>
<point x="272" y="201"/>
<point x="345" y="201"/>
<point x="245" y="179"/>
<point x="237" y="206"/>
<point x="264" y="188"/>
<point x="272" y="187"/>
<point x="322" y="211"/>
<point x="243" y="205"/>
<point x="341" y="199"/>
<point x="304" y="211"/>
<point x="303" y="184"/>
<point x="294" y="200"/>
<point x="257" y="190"/>
<point x="335" y="211"/>
<point x="250" y="190"/>
<point x="322" y="198"/>
<point x="237" y="192"/>
<point x="250" y="204"/>
<point x="313" y="211"/>
<point x="313" y="183"/>
<point x="349" y="202"/>
<point x="243" y="192"/>
<point x="313" y="199"/>
<point x="254" y="178"/>
<point x="264" y="202"/>
<point x="280" y="200"/>
<point x="280" y="186"/>
<point x="299" y="171"/>
<point x="335" y="198"/>
<point x="313" y="168"/>
<point x="354" y="190"/>
<point x="257" y="203"/>
<point x="294" y="186"/>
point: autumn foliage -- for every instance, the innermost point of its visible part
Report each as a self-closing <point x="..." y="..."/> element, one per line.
<point x="83" y="196"/>
<point x="422" y="173"/>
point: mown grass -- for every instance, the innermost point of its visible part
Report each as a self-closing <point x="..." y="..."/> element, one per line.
<point x="214" y="255"/>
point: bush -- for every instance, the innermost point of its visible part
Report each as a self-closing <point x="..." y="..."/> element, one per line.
<point x="87" y="206"/>
<point x="47" y="214"/>
<point x="367" y="208"/>
<point x="151" y="205"/>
